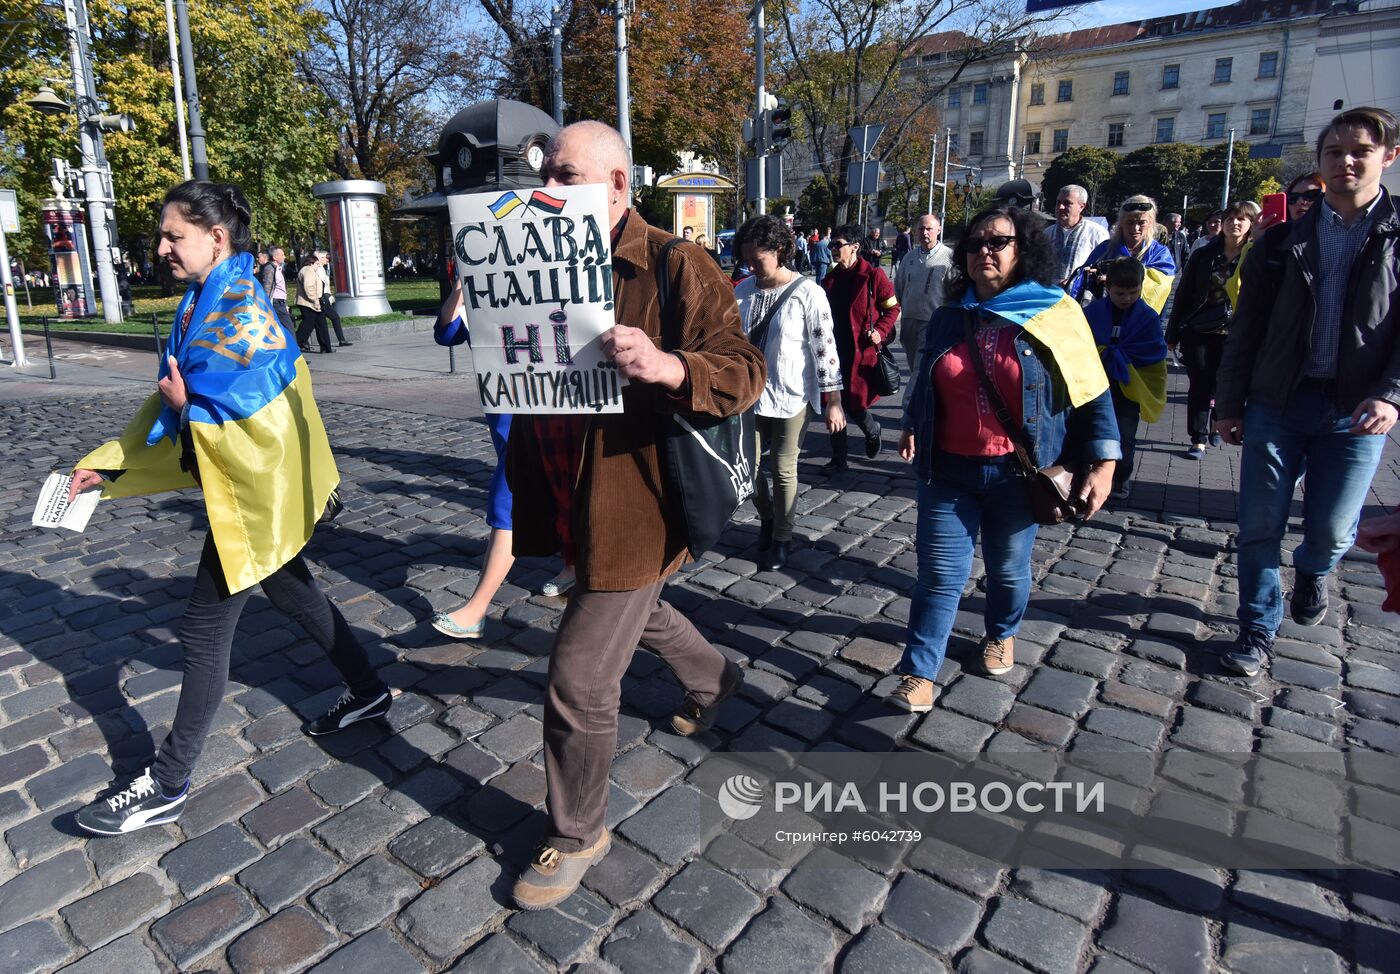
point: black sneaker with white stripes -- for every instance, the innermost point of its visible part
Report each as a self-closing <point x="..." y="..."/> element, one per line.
<point x="350" y="709"/>
<point x="133" y="807"/>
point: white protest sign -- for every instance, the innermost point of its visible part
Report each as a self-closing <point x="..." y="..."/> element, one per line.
<point x="536" y="272"/>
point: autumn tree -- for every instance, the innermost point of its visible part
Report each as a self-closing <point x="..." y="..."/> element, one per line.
<point x="842" y="63"/>
<point x="265" y="130"/>
<point x="1166" y="172"/>
<point x="1089" y="166"/>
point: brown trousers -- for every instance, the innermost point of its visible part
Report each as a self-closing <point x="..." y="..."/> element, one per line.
<point x="594" y="645"/>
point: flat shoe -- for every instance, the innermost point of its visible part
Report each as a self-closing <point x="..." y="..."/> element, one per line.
<point x="443" y="623"/>
<point x="555" y="587"/>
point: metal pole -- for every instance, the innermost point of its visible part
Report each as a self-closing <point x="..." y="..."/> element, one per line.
<point x="624" y="100"/>
<point x="932" y="171"/>
<point x="556" y="33"/>
<point x="760" y="106"/>
<point x="155" y="330"/>
<point x="90" y="146"/>
<point x="179" y="93"/>
<point x="451" y="360"/>
<point x="11" y="309"/>
<point x="1229" y="159"/>
<point x="201" y="160"/>
<point x="1021" y="169"/>
<point x="947" y="151"/>
<point x="48" y="344"/>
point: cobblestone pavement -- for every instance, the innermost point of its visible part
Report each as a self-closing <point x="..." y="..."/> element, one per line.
<point x="391" y="848"/>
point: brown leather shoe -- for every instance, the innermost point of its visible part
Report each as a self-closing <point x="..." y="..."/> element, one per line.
<point x="694" y="719"/>
<point x="914" y="694"/>
<point x="998" y="656"/>
<point x="552" y="876"/>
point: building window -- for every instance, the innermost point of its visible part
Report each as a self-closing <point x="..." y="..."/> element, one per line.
<point x="1223" y="67"/>
<point x="975" y="144"/>
<point x="1032" y="143"/>
<point x="1038" y="93"/>
<point x="1060" y="142"/>
<point x="1066" y="92"/>
<point x="1120" y="82"/>
<point x="1166" y="129"/>
<point x="1115" y="134"/>
<point x="954" y="141"/>
<point x="979" y="93"/>
<point x="955" y="98"/>
<point x="1215" y="125"/>
<point x="1259" y="120"/>
<point x="1268" y="64"/>
<point x="1171" y="76"/>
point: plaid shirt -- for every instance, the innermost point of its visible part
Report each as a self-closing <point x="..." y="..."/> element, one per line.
<point x="1337" y="247"/>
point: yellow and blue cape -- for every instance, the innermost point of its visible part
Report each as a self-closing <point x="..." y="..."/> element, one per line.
<point x="264" y="460"/>
<point x="1156" y="260"/>
<point x="1055" y="320"/>
<point x="1135" y="358"/>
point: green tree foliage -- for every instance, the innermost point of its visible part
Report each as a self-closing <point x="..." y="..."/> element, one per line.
<point x="1084" y="165"/>
<point x="266" y="130"/>
<point x="1165" y="172"/>
<point x="1248" y="177"/>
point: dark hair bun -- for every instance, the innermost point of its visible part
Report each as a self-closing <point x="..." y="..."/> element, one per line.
<point x="207" y="204"/>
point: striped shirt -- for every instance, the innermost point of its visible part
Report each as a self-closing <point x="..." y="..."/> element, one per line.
<point x="1337" y="246"/>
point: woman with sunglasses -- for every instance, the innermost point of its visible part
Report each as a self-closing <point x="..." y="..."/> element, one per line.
<point x="864" y="310"/>
<point x="1200" y="319"/>
<point x="1303" y="192"/>
<point x="1008" y="364"/>
<point x="1134" y="235"/>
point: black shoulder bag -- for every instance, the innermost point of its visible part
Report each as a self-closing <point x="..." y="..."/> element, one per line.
<point x="1051" y="488"/>
<point x="888" y="378"/>
<point x="708" y="461"/>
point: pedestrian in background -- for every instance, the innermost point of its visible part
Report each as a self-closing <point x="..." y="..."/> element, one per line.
<point x="865" y="311"/>
<point x="918" y="284"/>
<point x="1072" y="236"/>
<point x="788" y="317"/>
<point x="1135" y="236"/>
<point x="1209" y="230"/>
<point x="233" y="415"/>
<point x="273" y="277"/>
<point x="821" y="256"/>
<point x="1303" y="192"/>
<point x="310" y="290"/>
<point x="328" y="308"/>
<point x="1200" y="319"/>
<point x="1007" y="333"/>
<point x="1310" y="378"/>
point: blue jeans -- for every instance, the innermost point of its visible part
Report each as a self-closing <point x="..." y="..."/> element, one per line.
<point x="1278" y="446"/>
<point x="968" y="495"/>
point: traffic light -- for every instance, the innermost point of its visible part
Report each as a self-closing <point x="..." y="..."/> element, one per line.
<point x="779" y="123"/>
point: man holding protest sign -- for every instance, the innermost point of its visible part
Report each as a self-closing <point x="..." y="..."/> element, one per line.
<point x="628" y="533"/>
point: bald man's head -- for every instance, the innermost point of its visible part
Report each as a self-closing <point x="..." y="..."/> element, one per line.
<point x="591" y="152"/>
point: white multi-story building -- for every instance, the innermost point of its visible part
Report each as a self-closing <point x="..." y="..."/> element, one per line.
<point x="1270" y="70"/>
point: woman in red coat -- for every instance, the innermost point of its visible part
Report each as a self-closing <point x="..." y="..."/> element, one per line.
<point x="864" y="310"/>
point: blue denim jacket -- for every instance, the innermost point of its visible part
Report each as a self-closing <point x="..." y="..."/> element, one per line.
<point x="1057" y="429"/>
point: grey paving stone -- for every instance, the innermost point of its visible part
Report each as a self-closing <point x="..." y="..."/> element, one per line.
<point x="222" y="800"/>
<point x="1292" y="899"/>
<point x="130" y="955"/>
<point x="781" y="940"/>
<point x="1037" y="937"/>
<point x="283" y="944"/>
<point x="376" y="951"/>
<point x="474" y="762"/>
<point x="116" y="910"/>
<point x="115" y="856"/>
<point x="507" y="798"/>
<point x="674" y="824"/>
<point x="344" y="784"/>
<point x="644" y="944"/>
<point x="1252" y="946"/>
<point x="43" y="835"/>
<point x="200" y="863"/>
<point x="33" y="947"/>
<point x="956" y="866"/>
<point x="456" y="909"/>
<point x="80" y="777"/>
<point x="710" y="904"/>
<point x="414" y="746"/>
<point x="285" y="767"/>
<point x="556" y="933"/>
<point x="289" y="813"/>
<point x="204" y="924"/>
<point x="800" y="718"/>
<point x="1156" y="937"/>
<point x="424" y="792"/>
<point x="285" y="874"/>
<point x="1134" y="728"/>
<point x="1079" y="893"/>
<point x="1213" y="733"/>
<point x="358" y="900"/>
<point x="43" y="888"/>
<point x="979" y="698"/>
<point x="931" y="914"/>
<point x="363" y="827"/>
<point x="879" y="951"/>
<point x="435" y="847"/>
<point x="644" y="771"/>
<point x="498" y="954"/>
<point x="943" y="730"/>
<point x="837" y="888"/>
<point x="1060" y="692"/>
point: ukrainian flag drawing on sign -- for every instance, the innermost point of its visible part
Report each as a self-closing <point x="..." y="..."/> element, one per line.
<point x="506" y="204"/>
<point x="261" y="452"/>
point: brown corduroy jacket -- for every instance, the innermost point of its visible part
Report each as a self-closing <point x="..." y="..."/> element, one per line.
<point x="628" y="532"/>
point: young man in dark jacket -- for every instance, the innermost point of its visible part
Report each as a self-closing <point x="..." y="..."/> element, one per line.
<point x="1310" y="377"/>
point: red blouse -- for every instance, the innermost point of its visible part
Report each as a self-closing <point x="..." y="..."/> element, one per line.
<point x="965" y="423"/>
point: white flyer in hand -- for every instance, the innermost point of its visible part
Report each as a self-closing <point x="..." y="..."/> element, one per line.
<point x="54" y="510"/>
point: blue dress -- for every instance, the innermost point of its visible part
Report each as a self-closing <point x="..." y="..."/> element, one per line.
<point x="498" y="499"/>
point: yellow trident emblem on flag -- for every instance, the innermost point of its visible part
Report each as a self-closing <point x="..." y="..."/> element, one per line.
<point x="240" y="336"/>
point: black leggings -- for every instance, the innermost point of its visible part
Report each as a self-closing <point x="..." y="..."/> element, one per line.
<point x="860" y="416"/>
<point x="1201" y="354"/>
<point x="206" y="634"/>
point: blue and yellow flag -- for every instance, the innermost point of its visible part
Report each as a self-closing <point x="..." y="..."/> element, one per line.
<point x="264" y="461"/>
<point x="1136" y="357"/>
<point x="505" y="204"/>
<point x="1055" y="320"/>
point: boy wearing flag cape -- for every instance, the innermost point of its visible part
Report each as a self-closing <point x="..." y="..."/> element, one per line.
<point x="233" y="415"/>
<point x="1128" y="334"/>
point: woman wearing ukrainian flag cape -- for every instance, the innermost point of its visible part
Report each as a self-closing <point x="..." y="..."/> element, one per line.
<point x="1005" y="316"/>
<point x="1134" y="235"/>
<point x="233" y="415"/>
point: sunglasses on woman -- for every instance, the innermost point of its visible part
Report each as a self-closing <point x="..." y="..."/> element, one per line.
<point x="1136" y="207"/>
<point x="1308" y="196"/>
<point x="993" y="244"/>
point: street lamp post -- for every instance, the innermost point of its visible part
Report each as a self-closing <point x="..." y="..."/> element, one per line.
<point x="201" y="160"/>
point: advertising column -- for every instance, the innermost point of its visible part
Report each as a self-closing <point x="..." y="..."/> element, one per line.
<point x="69" y="258"/>
<point x="357" y="257"/>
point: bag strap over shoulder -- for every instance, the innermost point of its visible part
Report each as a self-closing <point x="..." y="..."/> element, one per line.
<point x="1019" y="439"/>
<point x="759" y="335"/>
